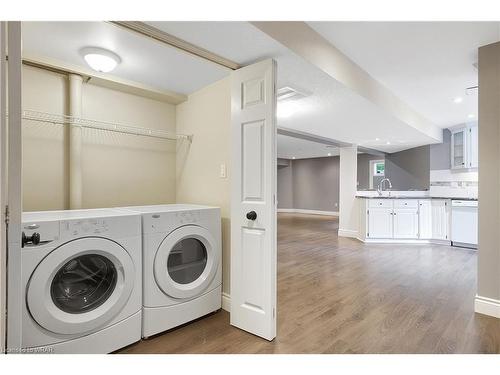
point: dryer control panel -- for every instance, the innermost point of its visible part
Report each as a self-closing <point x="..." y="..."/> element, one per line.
<point x="83" y="228"/>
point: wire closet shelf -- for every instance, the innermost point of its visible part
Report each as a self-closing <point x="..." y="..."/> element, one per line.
<point x="52" y="118"/>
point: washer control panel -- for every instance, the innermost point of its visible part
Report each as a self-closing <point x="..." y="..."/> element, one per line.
<point x="188" y="217"/>
<point x="38" y="234"/>
<point x="83" y="228"/>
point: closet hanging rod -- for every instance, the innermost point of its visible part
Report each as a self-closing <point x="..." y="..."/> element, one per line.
<point x="101" y="125"/>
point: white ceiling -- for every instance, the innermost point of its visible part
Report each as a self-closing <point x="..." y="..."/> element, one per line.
<point x="294" y="148"/>
<point x="143" y="60"/>
<point x="330" y="110"/>
<point x="426" y="64"/>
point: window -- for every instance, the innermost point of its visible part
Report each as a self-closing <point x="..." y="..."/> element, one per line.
<point x="378" y="168"/>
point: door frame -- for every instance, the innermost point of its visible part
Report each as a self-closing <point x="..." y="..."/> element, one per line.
<point x="3" y="185"/>
<point x="11" y="185"/>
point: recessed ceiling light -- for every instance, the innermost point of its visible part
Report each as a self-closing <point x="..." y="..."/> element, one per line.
<point x="377" y="139"/>
<point x="100" y="59"/>
<point x="293" y="157"/>
<point x="329" y="154"/>
<point x="458" y="99"/>
<point x="388" y="143"/>
<point x="471" y="115"/>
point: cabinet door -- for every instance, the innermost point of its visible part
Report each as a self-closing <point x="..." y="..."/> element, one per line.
<point x="440" y="219"/>
<point x="405" y="223"/>
<point x="425" y="219"/>
<point x="380" y="223"/>
<point x="473" y="147"/>
<point x="458" y="149"/>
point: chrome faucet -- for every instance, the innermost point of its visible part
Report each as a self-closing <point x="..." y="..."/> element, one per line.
<point x="381" y="185"/>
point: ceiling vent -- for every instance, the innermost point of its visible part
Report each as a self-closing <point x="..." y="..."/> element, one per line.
<point x="288" y="93"/>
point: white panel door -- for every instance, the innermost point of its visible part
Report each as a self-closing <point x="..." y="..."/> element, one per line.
<point x="425" y="219"/>
<point x="440" y="219"/>
<point x="253" y="201"/>
<point x="380" y="223"/>
<point x="406" y="223"/>
<point x="473" y="147"/>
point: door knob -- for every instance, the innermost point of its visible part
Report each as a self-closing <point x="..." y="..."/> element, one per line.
<point x="252" y="215"/>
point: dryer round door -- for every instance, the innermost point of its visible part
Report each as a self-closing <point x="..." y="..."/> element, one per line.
<point x="186" y="262"/>
<point x="80" y="285"/>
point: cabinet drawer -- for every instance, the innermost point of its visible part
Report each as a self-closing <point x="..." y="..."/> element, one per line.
<point x="381" y="203"/>
<point x="405" y="203"/>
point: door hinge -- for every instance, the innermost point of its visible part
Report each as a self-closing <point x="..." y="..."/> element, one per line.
<point x="368" y="212"/>
<point x="7" y="214"/>
<point x="274" y="312"/>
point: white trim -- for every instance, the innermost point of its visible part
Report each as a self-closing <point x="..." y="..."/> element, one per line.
<point x="310" y="212"/>
<point x="348" y="233"/>
<point x="226" y="302"/>
<point x="487" y="306"/>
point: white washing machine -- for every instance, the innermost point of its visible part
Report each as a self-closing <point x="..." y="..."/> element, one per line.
<point x="182" y="264"/>
<point x="81" y="281"/>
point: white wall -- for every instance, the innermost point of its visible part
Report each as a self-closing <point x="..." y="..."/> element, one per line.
<point x="207" y="115"/>
<point x="348" y="215"/>
<point x="117" y="169"/>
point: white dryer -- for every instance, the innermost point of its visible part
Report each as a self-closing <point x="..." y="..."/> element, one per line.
<point x="182" y="264"/>
<point x="81" y="281"/>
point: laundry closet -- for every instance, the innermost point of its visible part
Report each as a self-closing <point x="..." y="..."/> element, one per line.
<point x="133" y="150"/>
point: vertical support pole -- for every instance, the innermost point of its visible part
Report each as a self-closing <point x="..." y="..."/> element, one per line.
<point x="348" y="210"/>
<point x="75" y="142"/>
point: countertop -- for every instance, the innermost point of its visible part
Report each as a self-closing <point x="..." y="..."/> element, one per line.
<point x="413" y="197"/>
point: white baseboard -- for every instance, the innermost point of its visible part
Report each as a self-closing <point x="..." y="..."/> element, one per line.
<point x="310" y="212"/>
<point x="404" y="241"/>
<point x="226" y="302"/>
<point x="348" y="233"/>
<point x="487" y="306"/>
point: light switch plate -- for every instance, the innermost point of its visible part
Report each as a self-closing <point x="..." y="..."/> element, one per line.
<point x="223" y="171"/>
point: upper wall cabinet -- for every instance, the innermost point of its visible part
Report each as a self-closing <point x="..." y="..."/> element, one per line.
<point x="464" y="149"/>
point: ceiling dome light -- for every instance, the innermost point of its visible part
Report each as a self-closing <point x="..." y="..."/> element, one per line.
<point x="100" y="59"/>
<point x="458" y="99"/>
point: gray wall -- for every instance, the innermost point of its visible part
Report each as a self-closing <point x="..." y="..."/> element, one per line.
<point x="409" y="169"/>
<point x="440" y="153"/>
<point x="309" y="184"/>
<point x="285" y="186"/>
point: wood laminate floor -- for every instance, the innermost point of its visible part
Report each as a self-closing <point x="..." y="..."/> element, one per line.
<point x="338" y="295"/>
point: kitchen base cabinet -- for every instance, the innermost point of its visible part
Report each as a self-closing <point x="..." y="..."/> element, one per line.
<point x="425" y="219"/>
<point x="405" y="223"/>
<point x="440" y="219"/>
<point x="404" y="220"/>
<point x="380" y="223"/>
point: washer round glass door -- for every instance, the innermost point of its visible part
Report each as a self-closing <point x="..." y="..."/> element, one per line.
<point x="186" y="262"/>
<point x="80" y="285"/>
